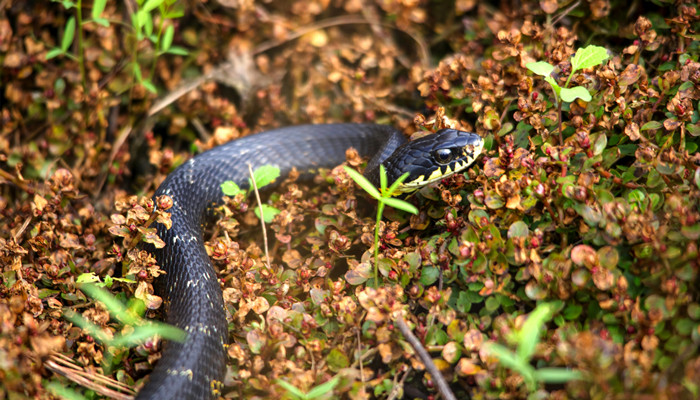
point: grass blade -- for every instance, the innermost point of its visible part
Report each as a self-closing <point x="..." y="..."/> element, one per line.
<point x="363" y="182"/>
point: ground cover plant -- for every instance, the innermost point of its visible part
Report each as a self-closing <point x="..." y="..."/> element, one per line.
<point x="563" y="264"/>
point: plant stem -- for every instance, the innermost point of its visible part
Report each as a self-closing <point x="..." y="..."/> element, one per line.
<point x="380" y="211"/>
<point x="81" y="60"/>
<point x="561" y="135"/>
<point x="157" y="46"/>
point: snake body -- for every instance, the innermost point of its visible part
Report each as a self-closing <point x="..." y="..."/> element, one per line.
<point x="193" y="297"/>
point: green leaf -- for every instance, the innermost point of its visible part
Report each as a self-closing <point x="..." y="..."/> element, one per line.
<point x="600" y="143"/>
<point x="291" y="389"/>
<point x="175" y="13"/>
<point x="554" y="84"/>
<point x="178" y="51"/>
<point x="149" y="86"/>
<point x="323" y="388"/>
<point x="167" y="38"/>
<point x="151" y="4"/>
<point x="68" y="34"/>
<point x="382" y="178"/>
<point x="390" y="191"/>
<point x="55" y="52"/>
<point x="363" y="182"/>
<point x="92" y="329"/>
<point x="141" y="333"/>
<point x="540" y="68"/>
<point x="518" y="229"/>
<point x="58" y="390"/>
<point x="651" y="125"/>
<point x="115" y="307"/>
<point x="137" y="72"/>
<point x="530" y="332"/>
<point x="88" y="277"/>
<point x="67" y="4"/>
<point x="400" y="205"/>
<point x="101" y="21"/>
<point x="571" y="94"/>
<point x="588" y="56"/>
<point x="148" y="25"/>
<point x="230" y="188"/>
<point x="510" y="360"/>
<point x="429" y="275"/>
<point x="97" y="7"/>
<point x="268" y="211"/>
<point x="636" y="196"/>
<point x="492" y="304"/>
<point x="693" y="129"/>
<point x="572" y="311"/>
<point x="556" y="375"/>
<point x="265" y="175"/>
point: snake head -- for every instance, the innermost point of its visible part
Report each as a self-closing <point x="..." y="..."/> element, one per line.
<point x="432" y="157"/>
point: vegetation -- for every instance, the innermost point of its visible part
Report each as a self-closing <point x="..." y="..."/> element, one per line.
<point x="563" y="264"/>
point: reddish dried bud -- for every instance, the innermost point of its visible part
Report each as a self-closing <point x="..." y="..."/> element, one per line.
<point x="540" y="190"/>
<point x="142" y="275"/>
<point x="585" y="143"/>
<point x="479" y="195"/>
<point x="89" y="239"/>
<point x="51" y="270"/>
<point x="164" y="202"/>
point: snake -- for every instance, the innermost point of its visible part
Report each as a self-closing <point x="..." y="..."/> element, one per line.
<point x="193" y="298"/>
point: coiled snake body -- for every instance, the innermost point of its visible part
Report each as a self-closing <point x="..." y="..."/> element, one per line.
<point x="194" y="301"/>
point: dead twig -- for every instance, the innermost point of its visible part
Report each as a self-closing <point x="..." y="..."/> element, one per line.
<point x="101" y="384"/>
<point x="442" y="386"/>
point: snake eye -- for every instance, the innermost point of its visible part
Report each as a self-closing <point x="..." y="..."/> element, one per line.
<point x="443" y="156"/>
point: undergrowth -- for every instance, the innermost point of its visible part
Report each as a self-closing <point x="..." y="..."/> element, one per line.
<point x="586" y="206"/>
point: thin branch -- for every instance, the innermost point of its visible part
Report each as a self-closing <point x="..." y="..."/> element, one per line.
<point x="442" y="386"/>
<point x="262" y="217"/>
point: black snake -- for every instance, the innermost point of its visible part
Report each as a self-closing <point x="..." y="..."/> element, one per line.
<point x="194" y="369"/>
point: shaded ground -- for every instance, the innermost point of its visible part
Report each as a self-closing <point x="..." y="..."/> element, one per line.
<point x="590" y="206"/>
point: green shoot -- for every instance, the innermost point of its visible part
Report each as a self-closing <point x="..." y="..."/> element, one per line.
<point x="129" y="316"/>
<point x="263" y="176"/>
<point x="323" y="390"/>
<point x="586" y="57"/>
<point x="384" y="197"/>
<point x="142" y="24"/>
<point x="92" y="278"/>
<point x="527" y="338"/>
